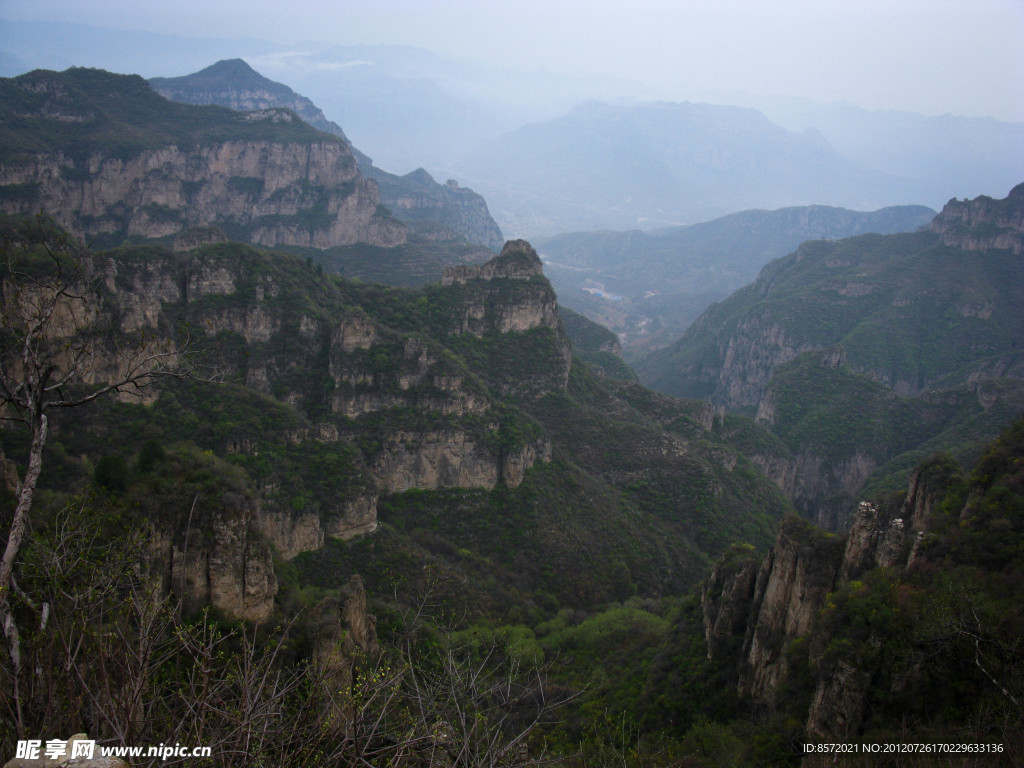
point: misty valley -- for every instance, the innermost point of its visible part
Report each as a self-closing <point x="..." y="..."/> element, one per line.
<point x="664" y="436"/>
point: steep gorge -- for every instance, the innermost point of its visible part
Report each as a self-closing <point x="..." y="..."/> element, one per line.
<point x="863" y="355"/>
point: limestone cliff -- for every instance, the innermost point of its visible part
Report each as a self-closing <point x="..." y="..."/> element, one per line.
<point x="433" y="211"/>
<point x="763" y="616"/>
<point x="509" y="296"/>
<point x="346" y="636"/>
<point x="263" y="176"/>
<point x="983" y="224"/>
<point x="394" y="410"/>
<point x="508" y="293"/>
<point x="211" y="553"/>
<point x="791" y="586"/>
<point x="437" y="211"/>
<point x="446" y="459"/>
<point x="275" y="194"/>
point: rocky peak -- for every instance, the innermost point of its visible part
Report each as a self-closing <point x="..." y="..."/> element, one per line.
<point x="507" y="294"/>
<point x="873" y="542"/>
<point x="434" y="211"/>
<point x="778" y="602"/>
<point x="517" y="261"/>
<point x="983" y="223"/>
<point x="233" y="83"/>
<point x="437" y="211"/>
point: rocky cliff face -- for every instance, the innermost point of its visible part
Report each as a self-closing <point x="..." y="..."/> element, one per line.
<point x="451" y="458"/>
<point x="433" y="211"/>
<point x="774" y="605"/>
<point x="346" y="635"/>
<point x="508" y="293"/>
<point x="137" y="165"/>
<point x="791" y="586"/>
<point x="983" y="224"/>
<point x="437" y="211"/>
<point x="272" y="193"/>
<point x="283" y="331"/>
<point x="212" y="553"/>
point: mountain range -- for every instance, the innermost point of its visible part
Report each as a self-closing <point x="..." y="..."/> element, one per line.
<point x="391" y="524"/>
<point x="650" y="165"/>
<point x="865" y="354"/>
<point x="649" y="286"/>
<point x="408" y="108"/>
<point x="433" y="211"/>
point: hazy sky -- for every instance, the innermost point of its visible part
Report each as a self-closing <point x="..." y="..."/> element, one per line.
<point x="932" y="56"/>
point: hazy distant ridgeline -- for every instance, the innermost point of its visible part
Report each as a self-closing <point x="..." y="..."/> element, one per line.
<point x="407" y="108"/>
<point x="657" y="164"/>
<point x="661" y="281"/>
<point x="943" y="155"/>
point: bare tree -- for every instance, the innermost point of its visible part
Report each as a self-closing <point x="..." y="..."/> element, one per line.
<point x="59" y="349"/>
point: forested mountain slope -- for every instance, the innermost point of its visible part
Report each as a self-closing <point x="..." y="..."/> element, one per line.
<point x="650" y="286"/>
<point x="452" y="420"/>
<point x="861" y="351"/>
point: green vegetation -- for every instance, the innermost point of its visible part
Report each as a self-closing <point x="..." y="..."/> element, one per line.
<point x="866" y="355"/>
<point x="584" y="567"/>
<point x="667" y="277"/>
<point x="86" y="111"/>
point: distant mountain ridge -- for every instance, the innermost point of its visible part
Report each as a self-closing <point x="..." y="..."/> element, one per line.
<point x="408" y="108"/>
<point x="937" y="154"/>
<point x="664" y="279"/>
<point x="433" y="210"/>
<point x="656" y="164"/>
<point x="865" y="353"/>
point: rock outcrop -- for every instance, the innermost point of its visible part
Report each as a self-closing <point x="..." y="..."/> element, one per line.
<point x="263" y="176"/>
<point x="292" y="533"/>
<point x="791" y="586"/>
<point x="437" y="211"/>
<point x="346" y="636"/>
<point x="309" y="195"/>
<point x="451" y="458"/>
<point x="509" y="295"/>
<point x="759" y="613"/>
<point x="517" y="261"/>
<point x="983" y="224"/>
<point x="213" y="554"/>
<point x="433" y="211"/>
